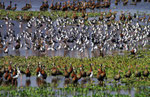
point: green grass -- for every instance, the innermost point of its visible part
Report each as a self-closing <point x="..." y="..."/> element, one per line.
<point x="14" y="14"/>
<point x="71" y="90"/>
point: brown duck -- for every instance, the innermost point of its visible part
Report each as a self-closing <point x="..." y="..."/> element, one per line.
<point x="9" y="7"/>
<point x="128" y="73"/>
<point x="117" y="77"/>
<point x="146" y="72"/>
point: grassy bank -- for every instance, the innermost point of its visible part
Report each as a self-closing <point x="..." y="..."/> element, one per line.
<point x="52" y="14"/>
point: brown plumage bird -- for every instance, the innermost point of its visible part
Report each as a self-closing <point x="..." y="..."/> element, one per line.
<point x="14" y="8"/>
<point x="38" y="69"/>
<point x="146" y="72"/>
<point x="43" y="72"/>
<point x="137" y="73"/>
<point x="28" y="73"/>
<point x="66" y="73"/>
<point x="128" y="73"/>
<point x="101" y="74"/>
<point x="70" y="69"/>
<point x="83" y="73"/>
<point x="118" y="76"/>
<point x="90" y="72"/>
<point x="9" y="7"/>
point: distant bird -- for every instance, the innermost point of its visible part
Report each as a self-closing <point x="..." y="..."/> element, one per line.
<point x="9" y="7"/>
<point x="118" y="76"/>
<point x="146" y="72"/>
<point x="28" y="73"/>
<point x="14" y="8"/>
<point x="128" y="73"/>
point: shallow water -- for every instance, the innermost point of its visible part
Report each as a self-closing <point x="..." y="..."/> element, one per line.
<point x="61" y="82"/>
<point x="141" y="6"/>
<point x="61" y="52"/>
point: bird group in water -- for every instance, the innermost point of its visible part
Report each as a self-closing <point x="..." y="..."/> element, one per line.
<point x="12" y="73"/>
<point x="43" y="34"/>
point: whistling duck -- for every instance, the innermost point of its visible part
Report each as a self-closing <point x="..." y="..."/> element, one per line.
<point x="122" y="17"/>
<point x="52" y="7"/>
<point x="128" y="73"/>
<point x="72" y="74"/>
<point x="109" y="14"/>
<point x="66" y="73"/>
<point x="137" y="73"/>
<point x="146" y="72"/>
<point x="64" y="7"/>
<point x="10" y="68"/>
<point x="46" y="5"/>
<point x="101" y="74"/>
<point x="54" y="70"/>
<point x="25" y="7"/>
<point x="129" y="17"/>
<point x="75" y="78"/>
<point x="6" y="50"/>
<point x="9" y="7"/>
<point x="28" y="73"/>
<point x="133" y="51"/>
<point x="6" y="74"/>
<point x="14" y="71"/>
<point x="38" y="69"/>
<point x="82" y="71"/>
<point x="42" y="6"/>
<point x="14" y="8"/>
<point x="70" y="69"/>
<point x="86" y="17"/>
<point x="19" y="72"/>
<point x="9" y="78"/>
<point x="42" y="73"/>
<point x="117" y="77"/>
<point x="90" y="72"/>
<point x="59" y="6"/>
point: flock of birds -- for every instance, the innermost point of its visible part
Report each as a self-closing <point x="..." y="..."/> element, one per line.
<point x="43" y="34"/>
<point x="68" y="5"/>
<point x="11" y="74"/>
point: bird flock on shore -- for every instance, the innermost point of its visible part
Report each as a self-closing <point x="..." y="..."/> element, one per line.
<point x="71" y="5"/>
<point x="11" y="73"/>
